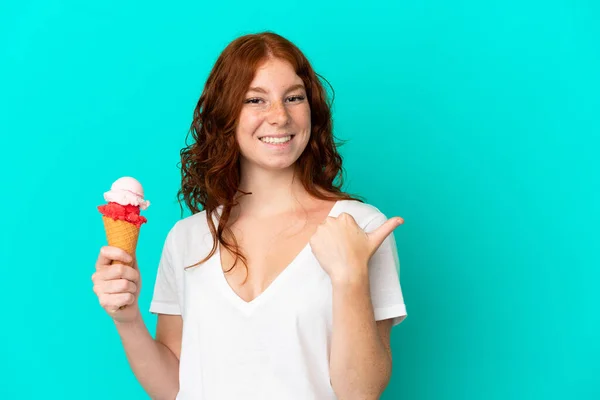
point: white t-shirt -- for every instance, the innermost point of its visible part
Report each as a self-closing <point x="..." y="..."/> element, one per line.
<point x="277" y="346"/>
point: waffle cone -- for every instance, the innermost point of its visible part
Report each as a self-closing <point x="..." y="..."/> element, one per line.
<point x="121" y="234"/>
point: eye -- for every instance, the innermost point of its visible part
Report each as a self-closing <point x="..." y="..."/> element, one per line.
<point x="296" y="99"/>
<point x="254" y="100"/>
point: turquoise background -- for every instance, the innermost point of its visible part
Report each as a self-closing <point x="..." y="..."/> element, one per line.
<point x="478" y="122"/>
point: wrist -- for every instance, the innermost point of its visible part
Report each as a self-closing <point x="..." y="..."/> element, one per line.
<point x="348" y="276"/>
<point x="130" y="321"/>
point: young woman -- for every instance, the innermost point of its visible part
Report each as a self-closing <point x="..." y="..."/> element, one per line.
<point x="282" y="287"/>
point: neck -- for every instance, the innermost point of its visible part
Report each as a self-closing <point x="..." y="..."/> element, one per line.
<point x="273" y="191"/>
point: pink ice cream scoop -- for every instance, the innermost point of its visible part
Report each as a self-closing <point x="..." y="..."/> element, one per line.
<point x="127" y="191"/>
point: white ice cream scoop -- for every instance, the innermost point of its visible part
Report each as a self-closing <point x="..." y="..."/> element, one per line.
<point x="127" y="191"/>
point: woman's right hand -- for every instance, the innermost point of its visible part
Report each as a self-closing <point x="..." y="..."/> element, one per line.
<point x="117" y="285"/>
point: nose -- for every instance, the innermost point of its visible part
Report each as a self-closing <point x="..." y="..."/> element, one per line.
<point x="278" y="114"/>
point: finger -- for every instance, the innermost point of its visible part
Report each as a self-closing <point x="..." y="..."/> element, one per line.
<point x="378" y="235"/>
<point x="118" y="286"/>
<point x="113" y="302"/>
<point x="345" y="215"/>
<point x="109" y="254"/>
<point x="329" y="219"/>
<point x="117" y="271"/>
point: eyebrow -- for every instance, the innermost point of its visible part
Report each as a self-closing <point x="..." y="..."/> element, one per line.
<point x="291" y="88"/>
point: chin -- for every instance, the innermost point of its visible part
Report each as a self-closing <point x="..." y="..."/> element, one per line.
<point x="277" y="166"/>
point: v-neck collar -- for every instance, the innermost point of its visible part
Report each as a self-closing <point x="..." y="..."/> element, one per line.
<point x="248" y="306"/>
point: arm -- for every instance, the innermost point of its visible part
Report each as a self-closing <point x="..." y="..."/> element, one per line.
<point x="155" y="363"/>
<point x="361" y="359"/>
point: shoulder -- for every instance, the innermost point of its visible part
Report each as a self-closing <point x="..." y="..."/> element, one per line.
<point x="193" y="223"/>
<point x="189" y="232"/>
<point x="364" y="214"/>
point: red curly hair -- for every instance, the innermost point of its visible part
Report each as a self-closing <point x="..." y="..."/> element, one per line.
<point x="210" y="174"/>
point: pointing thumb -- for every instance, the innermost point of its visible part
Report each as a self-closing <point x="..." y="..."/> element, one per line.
<point x="378" y="235"/>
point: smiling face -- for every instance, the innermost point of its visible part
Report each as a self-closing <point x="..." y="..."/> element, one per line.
<point x="274" y="125"/>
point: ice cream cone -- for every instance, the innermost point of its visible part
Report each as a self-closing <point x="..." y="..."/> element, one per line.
<point x="121" y="234"/>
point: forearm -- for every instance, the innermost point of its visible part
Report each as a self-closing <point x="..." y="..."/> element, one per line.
<point x="360" y="365"/>
<point x="154" y="365"/>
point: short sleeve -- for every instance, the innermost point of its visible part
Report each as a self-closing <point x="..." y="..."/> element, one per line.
<point x="166" y="299"/>
<point x="384" y="277"/>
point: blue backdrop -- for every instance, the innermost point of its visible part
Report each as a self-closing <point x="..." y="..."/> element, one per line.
<point x="478" y="122"/>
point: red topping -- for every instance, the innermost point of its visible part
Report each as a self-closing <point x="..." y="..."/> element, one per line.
<point x="127" y="213"/>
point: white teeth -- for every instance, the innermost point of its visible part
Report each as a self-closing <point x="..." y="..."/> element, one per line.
<point x="273" y="140"/>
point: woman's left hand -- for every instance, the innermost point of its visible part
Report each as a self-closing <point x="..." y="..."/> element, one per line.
<point x="343" y="249"/>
